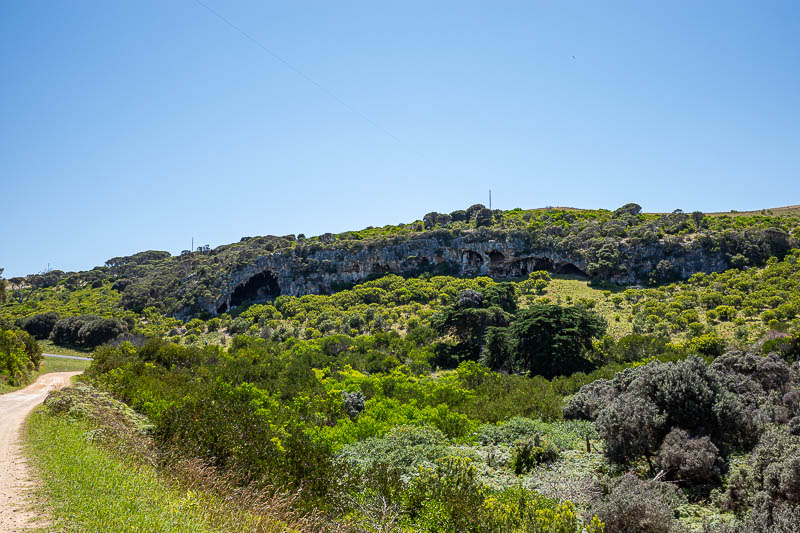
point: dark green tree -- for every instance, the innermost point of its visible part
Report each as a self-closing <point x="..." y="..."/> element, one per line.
<point x="41" y="325"/>
<point x="551" y="340"/>
<point x="628" y="209"/>
<point x="502" y="295"/>
<point x="483" y="218"/>
<point x="496" y="353"/>
<point x="473" y="210"/>
<point x="459" y="215"/>
<point x="467" y="321"/>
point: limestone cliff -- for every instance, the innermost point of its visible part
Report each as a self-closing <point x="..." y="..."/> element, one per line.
<point x="301" y="271"/>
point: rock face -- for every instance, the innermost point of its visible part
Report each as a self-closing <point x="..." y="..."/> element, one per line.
<point x="325" y="269"/>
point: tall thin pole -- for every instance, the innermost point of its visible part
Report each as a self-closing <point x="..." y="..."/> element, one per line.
<point x="192" y="245"/>
<point x="490" y="198"/>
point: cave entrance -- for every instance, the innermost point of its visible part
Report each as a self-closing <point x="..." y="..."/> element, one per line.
<point x="471" y="261"/>
<point x="497" y="263"/>
<point x="569" y="269"/>
<point x="496" y="257"/>
<point x="258" y="288"/>
<point x="522" y="267"/>
<point x="380" y="269"/>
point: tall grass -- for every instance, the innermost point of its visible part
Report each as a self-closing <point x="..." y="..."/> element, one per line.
<point x="99" y="474"/>
<point x="89" y="490"/>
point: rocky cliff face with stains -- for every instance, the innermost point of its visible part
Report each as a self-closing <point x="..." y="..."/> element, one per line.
<point x="258" y="269"/>
<point x="300" y="271"/>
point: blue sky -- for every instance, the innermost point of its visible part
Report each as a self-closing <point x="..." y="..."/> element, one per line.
<point x="127" y="126"/>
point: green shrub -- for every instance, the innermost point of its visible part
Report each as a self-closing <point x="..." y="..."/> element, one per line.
<point x="530" y="452"/>
<point x="630" y="505"/>
<point x="690" y="461"/>
<point x="19" y="355"/>
<point x="40" y="325"/>
<point x="403" y="447"/>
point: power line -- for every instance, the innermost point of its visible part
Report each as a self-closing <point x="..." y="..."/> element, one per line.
<point x="300" y="73"/>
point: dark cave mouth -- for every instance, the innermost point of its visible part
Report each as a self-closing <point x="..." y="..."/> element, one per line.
<point x="258" y="288"/>
<point x="569" y="269"/>
<point x="523" y="267"/>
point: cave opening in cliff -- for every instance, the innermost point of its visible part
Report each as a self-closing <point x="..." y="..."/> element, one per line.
<point x="569" y="269"/>
<point x="522" y="267"/>
<point x="496" y="257"/>
<point x="497" y="263"/>
<point x="472" y="260"/>
<point x="258" y="288"/>
<point x="379" y="269"/>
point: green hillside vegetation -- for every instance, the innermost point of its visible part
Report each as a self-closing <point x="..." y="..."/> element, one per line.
<point x="738" y="305"/>
<point x="437" y="403"/>
<point x="606" y="240"/>
<point x="328" y="413"/>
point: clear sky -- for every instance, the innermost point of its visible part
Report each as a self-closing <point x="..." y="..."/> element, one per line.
<point x="127" y="126"/>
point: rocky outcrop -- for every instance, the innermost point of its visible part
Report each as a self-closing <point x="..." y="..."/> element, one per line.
<point x="303" y="270"/>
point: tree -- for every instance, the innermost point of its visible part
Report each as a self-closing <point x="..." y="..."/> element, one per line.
<point x="429" y="220"/>
<point x="3" y="285"/>
<point x="628" y="209"/>
<point x="41" y="325"/>
<point x="473" y="210"/>
<point x="698" y="217"/>
<point x="606" y="260"/>
<point x="97" y="332"/>
<point x="495" y="350"/>
<point x="551" y="340"/>
<point x="469" y="318"/>
<point x="501" y="295"/>
<point x="483" y="218"/>
<point x="690" y="461"/>
<point x="19" y="354"/>
<point x="459" y="215"/>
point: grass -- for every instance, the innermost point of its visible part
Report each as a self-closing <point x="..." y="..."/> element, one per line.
<point x="56" y="364"/>
<point x="49" y="364"/>
<point x="48" y="347"/>
<point x="101" y="471"/>
<point x="88" y="489"/>
<point x="571" y="289"/>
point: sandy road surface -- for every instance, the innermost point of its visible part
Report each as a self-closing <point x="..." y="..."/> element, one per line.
<point x="14" y="473"/>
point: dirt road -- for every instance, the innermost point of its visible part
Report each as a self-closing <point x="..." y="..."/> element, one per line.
<point x="15" y="476"/>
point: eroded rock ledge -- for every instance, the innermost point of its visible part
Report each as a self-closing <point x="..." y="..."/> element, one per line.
<point x="300" y="271"/>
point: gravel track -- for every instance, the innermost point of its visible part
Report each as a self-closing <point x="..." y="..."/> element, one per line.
<point x="15" y="476"/>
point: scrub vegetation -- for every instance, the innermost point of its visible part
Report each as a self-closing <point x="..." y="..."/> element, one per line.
<point x="547" y="402"/>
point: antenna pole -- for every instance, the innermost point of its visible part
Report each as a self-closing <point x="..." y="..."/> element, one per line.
<point x="490" y="198"/>
<point x="192" y="244"/>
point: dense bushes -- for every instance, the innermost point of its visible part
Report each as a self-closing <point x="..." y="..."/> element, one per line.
<point x="631" y="505"/>
<point x="769" y="482"/>
<point x="689" y="416"/>
<point x="86" y="330"/>
<point x="295" y="414"/>
<point x="19" y="355"/>
<point x="41" y="325"/>
<point x="698" y="305"/>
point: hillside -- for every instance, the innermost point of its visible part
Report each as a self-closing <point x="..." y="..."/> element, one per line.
<point x="508" y="385"/>
<point x="623" y="247"/>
